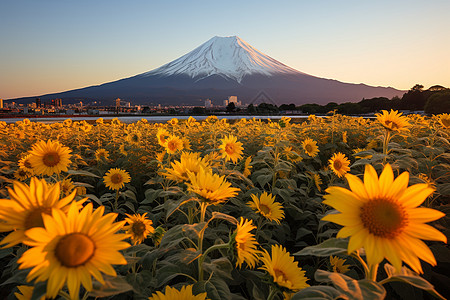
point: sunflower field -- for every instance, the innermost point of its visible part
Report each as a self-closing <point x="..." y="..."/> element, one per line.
<point x="319" y="208"/>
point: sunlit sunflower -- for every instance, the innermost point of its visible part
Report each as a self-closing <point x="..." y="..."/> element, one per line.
<point x="134" y="137"/>
<point x="27" y="205"/>
<point x="161" y="136"/>
<point x="393" y="120"/>
<point x="80" y="190"/>
<point x="173" y="144"/>
<point x="26" y="292"/>
<point x="67" y="186"/>
<point x="358" y="150"/>
<point x="382" y="215"/>
<point x="247" y="167"/>
<point x="67" y="122"/>
<point x="21" y="174"/>
<point x="211" y="187"/>
<point x="73" y="247"/>
<point x="344" y="137"/>
<point x="338" y="265"/>
<point x="444" y="119"/>
<point x="339" y="164"/>
<point x="173" y="121"/>
<point x="231" y="149"/>
<point x="101" y="154"/>
<point x="310" y="147"/>
<point x="245" y="244"/>
<point x="49" y="157"/>
<point x="24" y="163"/>
<point x="116" y="178"/>
<point x="139" y="227"/>
<point x="160" y="156"/>
<point x="284" y="270"/>
<point x="189" y="162"/>
<point x="317" y="181"/>
<point x="266" y="206"/>
<point x="173" y="294"/>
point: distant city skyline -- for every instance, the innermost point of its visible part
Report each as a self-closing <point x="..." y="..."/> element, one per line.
<point x="53" y="46"/>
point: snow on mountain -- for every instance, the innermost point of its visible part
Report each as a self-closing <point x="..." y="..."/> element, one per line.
<point x="229" y="57"/>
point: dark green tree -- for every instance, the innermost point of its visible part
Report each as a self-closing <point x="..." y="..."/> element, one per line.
<point x="438" y="103"/>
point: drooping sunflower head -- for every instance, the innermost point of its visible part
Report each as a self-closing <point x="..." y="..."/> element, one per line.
<point x="247" y="167"/>
<point x="444" y="119"/>
<point x="310" y="147"/>
<point x="27" y="206"/>
<point x="393" y="120"/>
<point x="101" y="154"/>
<point x="266" y="206"/>
<point x="231" y="149"/>
<point x="211" y="187"/>
<point x="139" y="227"/>
<point x="245" y="244"/>
<point x="48" y="158"/>
<point x="67" y="186"/>
<point x="339" y="164"/>
<point x="116" y="178"/>
<point x="185" y="293"/>
<point x="72" y="247"/>
<point x="162" y="135"/>
<point x="173" y="144"/>
<point x="189" y="162"/>
<point x="382" y="216"/>
<point x="284" y="271"/>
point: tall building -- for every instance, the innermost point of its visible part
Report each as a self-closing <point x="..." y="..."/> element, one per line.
<point x="208" y="103"/>
<point x="1" y="103"/>
<point x="232" y="99"/>
<point x="38" y="102"/>
<point x="118" y="102"/>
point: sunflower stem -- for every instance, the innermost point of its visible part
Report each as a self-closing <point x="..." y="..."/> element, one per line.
<point x="362" y="262"/>
<point x="373" y="272"/>
<point x="64" y="295"/>
<point x="203" y="206"/>
<point x="204" y="255"/>
<point x="115" y="201"/>
<point x="387" y="137"/>
<point x="272" y="294"/>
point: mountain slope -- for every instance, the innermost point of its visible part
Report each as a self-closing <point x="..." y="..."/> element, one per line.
<point x="221" y="67"/>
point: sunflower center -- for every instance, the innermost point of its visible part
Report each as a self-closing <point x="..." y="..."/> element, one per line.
<point x="337" y="164"/>
<point x="74" y="250"/>
<point x="229" y="149"/>
<point x="264" y="208"/>
<point x="116" y="178"/>
<point x="34" y="218"/>
<point x="27" y="164"/>
<point x="171" y="145"/>
<point x="278" y="274"/>
<point x="383" y="218"/>
<point x="51" y="159"/>
<point x="138" y="228"/>
<point x="445" y="122"/>
<point x="308" y="148"/>
<point x="391" y="124"/>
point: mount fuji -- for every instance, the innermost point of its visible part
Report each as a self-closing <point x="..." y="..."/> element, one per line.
<point x="222" y="67"/>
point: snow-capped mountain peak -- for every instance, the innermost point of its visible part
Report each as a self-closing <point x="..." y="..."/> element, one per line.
<point x="229" y="57"/>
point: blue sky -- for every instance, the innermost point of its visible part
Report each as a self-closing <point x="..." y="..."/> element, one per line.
<point x="50" y="46"/>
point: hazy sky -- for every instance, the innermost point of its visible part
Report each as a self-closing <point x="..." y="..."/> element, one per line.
<point x="51" y="46"/>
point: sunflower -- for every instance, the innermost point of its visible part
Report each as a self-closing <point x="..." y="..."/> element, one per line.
<point x="382" y="215"/>
<point x="173" y="121"/>
<point x="80" y="190"/>
<point x="284" y="270"/>
<point x="24" y="163"/>
<point x="189" y="162"/>
<point x="67" y="186"/>
<point x="71" y="248"/>
<point x="393" y="120"/>
<point x="339" y="164"/>
<point x="134" y="137"/>
<point x="122" y="150"/>
<point x="231" y="149"/>
<point x="161" y="136"/>
<point x="173" y="144"/>
<point x="26" y="207"/>
<point x="22" y="174"/>
<point x="310" y="147"/>
<point x="317" y="181"/>
<point x="358" y="150"/>
<point x="245" y="244"/>
<point x="266" y="206"/>
<point x="49" y="157"/>
<point x="444" y="119"/>
<point x="139" y="227"/>
<point x="26" y="292"/>
<point x="116" y="178"/>
<point x="101" y="154"/>
<point x="173" y="294"/>
<point x="67" y="122"/>
<point x="338" y="264"/>
<point x="247" y="167"/>
<point x="212" y="187"/>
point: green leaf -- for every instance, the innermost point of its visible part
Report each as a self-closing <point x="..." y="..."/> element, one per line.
<point x="219" y="215"/>
<point x="112" y="286"/>
<point x="330" y="247"/>
<point x="82" y="173"/>
<point x="317" y="293"/>
<point x="353" y="289"/>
